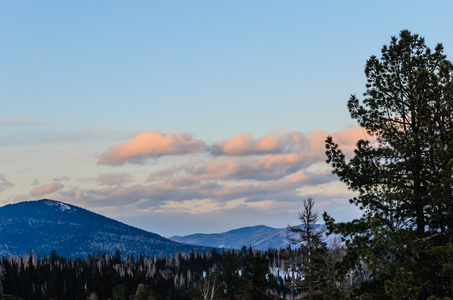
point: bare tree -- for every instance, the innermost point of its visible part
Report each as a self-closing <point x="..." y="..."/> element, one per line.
<point x="207" y="288"/>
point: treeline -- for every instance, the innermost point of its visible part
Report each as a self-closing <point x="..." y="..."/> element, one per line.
<point x="245" y="274"/>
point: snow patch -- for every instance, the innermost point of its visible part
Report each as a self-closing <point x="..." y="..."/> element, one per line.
<point x="60" y="205"/>
<point x="63" y="206"/>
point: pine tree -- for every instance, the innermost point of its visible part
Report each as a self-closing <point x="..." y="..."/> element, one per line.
<point x="2" y="277"/>
<point x="256" y="276"/>
<point x="310" y="238"/>
<point x="230" y="276"/>
<point x="402" y="172"/>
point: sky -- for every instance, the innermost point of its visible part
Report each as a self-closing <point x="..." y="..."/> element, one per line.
<point x="181" y="117"/>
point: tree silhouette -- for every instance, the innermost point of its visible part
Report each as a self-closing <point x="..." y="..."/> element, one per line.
<point x="310" y="237"/>
<point x="2" y="277"/>
<point x="402" y="173"/>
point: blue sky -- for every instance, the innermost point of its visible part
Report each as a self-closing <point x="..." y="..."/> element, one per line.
<point x="189" y="116"/>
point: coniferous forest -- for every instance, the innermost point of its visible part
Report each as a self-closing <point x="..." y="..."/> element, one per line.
<point x="245" y="274"/>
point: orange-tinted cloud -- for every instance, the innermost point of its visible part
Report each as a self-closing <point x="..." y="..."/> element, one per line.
<point x="277" y="167"/>
<point x="150" y="144"/>
<point x="346" y="139"/>
<point x="244" y="144"/>
<point x="282" y="155"/>
<point x="274" y="143"/>
<point x="267" y="167"/>
<point x="46" y="189"/>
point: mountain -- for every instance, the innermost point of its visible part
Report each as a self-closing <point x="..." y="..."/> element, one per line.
<point x="232" y="239"/>
<point x="45" y="225"/>
<point x="258" y="237"/>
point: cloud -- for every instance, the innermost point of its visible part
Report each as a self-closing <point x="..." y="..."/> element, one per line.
<point x="114" y="179"/>
<point x="274" y="143"/>
<point x="192" y="196"/>
<point x="165" y="173"/>
<point x="243" y="144"/>
<point x="63" y="178"/>
<point x="305" y="179"/>
<point x="46" y="189"/>
<point x="34" y="132"/>
<point x="22" y="120"/>
<point x="298" y="153"/>
<point x="151" y="196"/>
<point x="346" y="139"/>
<point x="278" y="168"/>
<point x="268" y="167"/>
<point x="150" y="144"/>
<point x="220" y="219"/>
<point x="4" y="184"/>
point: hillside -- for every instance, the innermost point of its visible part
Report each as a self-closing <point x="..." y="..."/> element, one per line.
<point x="259" y="237"/>
<point x="45" y="225"/>
<point x="246" y="236"/>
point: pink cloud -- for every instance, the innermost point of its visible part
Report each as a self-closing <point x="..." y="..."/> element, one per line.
<point x="216" y="169"/>
<point x="276" y="166"/>
<point x="346" y="139"/>
<point x="243" y="144"/>
<point x="273" y="162"/>
<point x="274" y="143"/>
<point x="296" y="151"/>
<point x="267" y="167"/>
<point x="46" y="189"/>
<point x="150" y="144"/>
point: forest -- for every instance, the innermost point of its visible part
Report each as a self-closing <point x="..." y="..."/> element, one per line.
<point x="245" y="274"/>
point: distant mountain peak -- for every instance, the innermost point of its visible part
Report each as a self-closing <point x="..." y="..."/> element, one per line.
<point x="45" y="225"/>
<point x="259" y="237"/>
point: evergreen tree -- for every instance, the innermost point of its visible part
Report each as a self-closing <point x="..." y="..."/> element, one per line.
<point x="402" y="173"/>
<point x="103" y="277"/>
<point x="230" y="276"/>
<point x="2" y="277"/>
<point x="330" y="286"/>
<point x="118" y="292"/>
<point x="310" y="237"/>
<point x="144" y="292"/>
<point x="256" y="275"/>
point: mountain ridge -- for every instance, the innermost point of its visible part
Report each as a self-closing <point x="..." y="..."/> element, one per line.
<point x="234" y="238"/>
<point x="259" y="237"/>
<point x="42" y="226"/>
